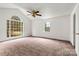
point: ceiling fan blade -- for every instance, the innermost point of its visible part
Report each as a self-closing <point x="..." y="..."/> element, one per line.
<point x="29" y="11"/>
<point x="38" y="14"/>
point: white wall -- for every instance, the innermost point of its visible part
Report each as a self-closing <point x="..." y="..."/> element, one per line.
<point x="7" y="13"/>
<point x="60" y="27"/>
<point x="76" y="23"/>
<point x="77" y="30"/>
<point x="72" y="25"/>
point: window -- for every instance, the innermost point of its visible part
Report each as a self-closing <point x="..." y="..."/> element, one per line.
<point x="14" y="27"/>
<point x="47" y="27"/>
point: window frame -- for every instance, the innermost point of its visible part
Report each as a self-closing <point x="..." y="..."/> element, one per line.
<point x="9" y="28"/>
<point x="47" y="27"/>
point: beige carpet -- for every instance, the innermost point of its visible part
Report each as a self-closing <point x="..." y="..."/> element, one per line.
<point x="31" y="46"/>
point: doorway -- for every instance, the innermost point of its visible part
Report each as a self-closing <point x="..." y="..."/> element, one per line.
<point x="74" y="29"/>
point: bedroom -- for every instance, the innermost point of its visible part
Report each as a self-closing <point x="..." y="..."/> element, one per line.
<point x="54" y="29"/>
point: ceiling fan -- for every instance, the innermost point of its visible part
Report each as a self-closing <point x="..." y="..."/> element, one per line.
<point x="34" y="13"/>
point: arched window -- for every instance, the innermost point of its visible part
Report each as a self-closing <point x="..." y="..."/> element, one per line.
<point x="14" y="27"/>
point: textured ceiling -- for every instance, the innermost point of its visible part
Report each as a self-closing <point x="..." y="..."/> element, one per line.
<point x="49" y="9"/>
<point x="46" y="9"/>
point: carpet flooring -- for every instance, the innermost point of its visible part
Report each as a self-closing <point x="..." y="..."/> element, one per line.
<point x="32" y="46"/>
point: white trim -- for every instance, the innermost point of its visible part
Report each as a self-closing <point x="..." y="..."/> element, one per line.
<point x="75" y="8"/>
<point x="71" y="18"/>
